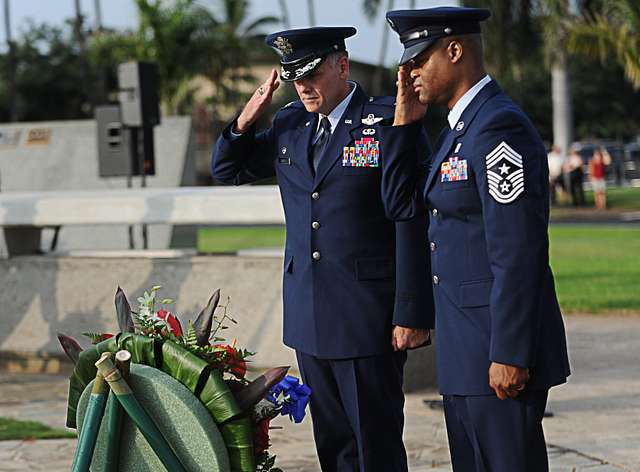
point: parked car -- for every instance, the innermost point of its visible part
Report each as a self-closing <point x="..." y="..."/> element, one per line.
<point x="631" y="163"/>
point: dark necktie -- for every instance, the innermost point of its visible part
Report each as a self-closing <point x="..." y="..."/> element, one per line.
<point x="321" y="140"/>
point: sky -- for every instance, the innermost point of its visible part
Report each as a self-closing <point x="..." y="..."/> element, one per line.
<point x="365" y="46"/>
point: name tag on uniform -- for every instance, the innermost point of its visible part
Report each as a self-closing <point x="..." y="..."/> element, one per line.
<point x="365" y="153"/>
<point x="284" y="160"/>
<point x="454" y="170"/>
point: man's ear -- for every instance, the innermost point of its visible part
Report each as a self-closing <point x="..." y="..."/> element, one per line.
<point x="343" y="65"/>
<point x="455" y="51"/>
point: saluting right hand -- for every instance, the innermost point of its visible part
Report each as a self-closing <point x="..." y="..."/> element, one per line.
<point x="258" y="103"/>
<point x="408" y="106"/>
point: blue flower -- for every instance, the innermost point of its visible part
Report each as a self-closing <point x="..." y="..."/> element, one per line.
<point x="296" y="397"/>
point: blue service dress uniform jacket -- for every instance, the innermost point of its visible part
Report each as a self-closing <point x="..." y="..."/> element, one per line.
<point x="350" y="273"/>
<point x="487" y="198"/>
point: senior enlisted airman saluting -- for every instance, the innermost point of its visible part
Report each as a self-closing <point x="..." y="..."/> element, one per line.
<point x="501" y="340"/>
<point x="356" y="287"/>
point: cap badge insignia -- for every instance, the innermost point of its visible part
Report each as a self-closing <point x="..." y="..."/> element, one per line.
<point x="371" y="119"/>
<point x="283" y="45"/>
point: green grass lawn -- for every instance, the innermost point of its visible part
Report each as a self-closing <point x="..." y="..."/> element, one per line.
<point x="597" y="268"/>
<point x="231" y="239"/>
<point x="618" y="198"/>
<point x="11" y="429"/>
<point x="627" y="198"/>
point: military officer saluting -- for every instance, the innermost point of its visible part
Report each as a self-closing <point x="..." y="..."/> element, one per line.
<point x="356" y="289"/>
<point x="501" y="340"/>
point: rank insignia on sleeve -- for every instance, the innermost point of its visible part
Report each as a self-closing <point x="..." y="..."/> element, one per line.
<point x="454" y="170"/>
<point x="365" y="153"/>
<point x="505" y="173"/>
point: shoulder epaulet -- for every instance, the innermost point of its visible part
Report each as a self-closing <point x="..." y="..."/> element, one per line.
<point x="293" y="104"/>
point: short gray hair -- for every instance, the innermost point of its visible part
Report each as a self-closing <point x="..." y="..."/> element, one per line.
<point x="334" y="57"/>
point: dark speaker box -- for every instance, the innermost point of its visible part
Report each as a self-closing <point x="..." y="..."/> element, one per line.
<point x="121" y="150"/>
<point x="138" y="96"/>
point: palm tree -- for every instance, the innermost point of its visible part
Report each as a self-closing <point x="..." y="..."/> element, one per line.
<point x="508" y="36"/>
<point x="98" y="8"/>
<point x="187" y="39"/>
<point x="371" y="9"/>
<point x="11" y="64"/>
<point x="612" y="31"/>
<point x="312" y="12"/>
<point x="556" y="17"/>
<point x="285" y="14"/>
<point x="177" y="38"/>
<point x="240" y="42"/>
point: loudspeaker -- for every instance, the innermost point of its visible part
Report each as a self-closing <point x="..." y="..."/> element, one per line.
<point x="121" y="150"/>
<point x="114" y="146"/>
<point x="138" y="95"/>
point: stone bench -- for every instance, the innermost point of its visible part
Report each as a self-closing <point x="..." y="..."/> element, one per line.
<point x="23" y="215"/>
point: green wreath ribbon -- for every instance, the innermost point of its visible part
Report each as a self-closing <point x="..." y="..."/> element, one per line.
<point x="194" y="373"/>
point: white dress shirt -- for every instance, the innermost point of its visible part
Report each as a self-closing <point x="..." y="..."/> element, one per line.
<point x="463" y="103"/>
<point x="336" y="113"/>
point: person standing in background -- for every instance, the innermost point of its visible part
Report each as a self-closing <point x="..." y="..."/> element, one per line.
<point x="576" y="177"/>
<point x="556" y="162"/>
<point x="597" y="178"/>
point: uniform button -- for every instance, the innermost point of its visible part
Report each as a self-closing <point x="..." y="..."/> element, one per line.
<point x="434" y="212"/>
<point x="432" y="245"/>
<point x="316" y="256"/>
<point x="436" y="279"/>
<point x="315" y="195"/>
<point x="315" y="225"/>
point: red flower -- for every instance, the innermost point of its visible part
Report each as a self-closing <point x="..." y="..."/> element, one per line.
<point x="261" y="436"/>
<point x="171" y="320"/>
<point x="237" y="366"/>
<point x="100" y="338"/>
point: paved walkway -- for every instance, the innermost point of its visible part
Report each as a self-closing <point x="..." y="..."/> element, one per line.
<point x="595" y="427"/>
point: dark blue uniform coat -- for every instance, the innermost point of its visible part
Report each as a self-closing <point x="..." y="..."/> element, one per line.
<point x="368" y="274"/>
<point x="487" y="196"/>
<point x="371" y="272"/>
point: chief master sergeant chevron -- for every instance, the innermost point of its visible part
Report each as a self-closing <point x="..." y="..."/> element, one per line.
<point x="501" y="340"/>
<point x="356" y="284"/>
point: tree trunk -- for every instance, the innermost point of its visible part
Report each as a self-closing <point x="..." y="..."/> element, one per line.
<point x="312" y="13"/>
<point x="561" y="99"/>
<point x="98" y="10"/>
<point x="11" y="65"/>
<point x="82" y="45"/>
<point x="285" y="14"/>
<point x="378" y="78"/>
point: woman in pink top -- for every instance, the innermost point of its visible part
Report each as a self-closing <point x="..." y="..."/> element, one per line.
<point x="597" y="173"/>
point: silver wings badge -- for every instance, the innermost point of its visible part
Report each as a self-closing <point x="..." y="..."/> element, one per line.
<point x="371" y="119"/>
